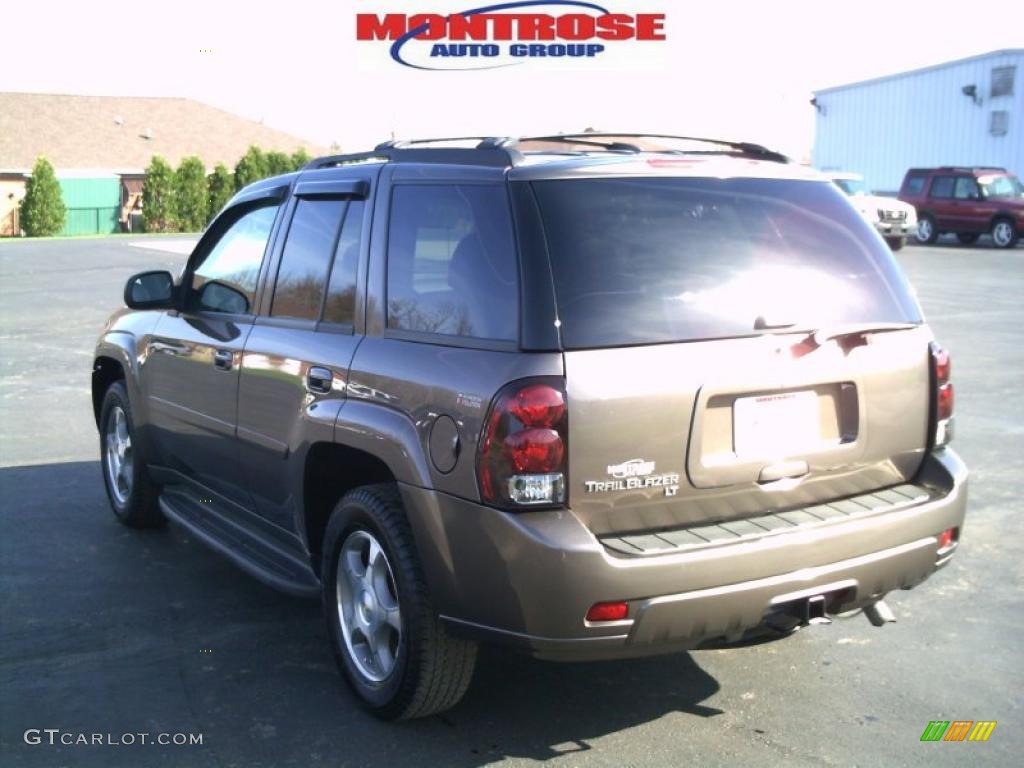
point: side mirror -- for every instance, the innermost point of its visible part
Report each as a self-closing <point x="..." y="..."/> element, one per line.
<point x="150" y="290"/>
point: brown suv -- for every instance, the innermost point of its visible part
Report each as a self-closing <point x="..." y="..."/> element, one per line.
<point x="573" y="394"/>
<point x="967" y="202"/>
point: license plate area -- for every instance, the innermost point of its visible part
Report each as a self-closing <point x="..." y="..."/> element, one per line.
<point x="776" y="425"/>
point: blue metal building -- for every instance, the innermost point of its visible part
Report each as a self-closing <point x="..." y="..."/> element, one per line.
<point x="965" y="112"/>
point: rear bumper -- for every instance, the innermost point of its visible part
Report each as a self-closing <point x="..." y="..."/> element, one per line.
<point x="529" y="579"/>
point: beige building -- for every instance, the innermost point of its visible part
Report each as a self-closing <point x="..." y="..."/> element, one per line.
<point x="100" y="146"/>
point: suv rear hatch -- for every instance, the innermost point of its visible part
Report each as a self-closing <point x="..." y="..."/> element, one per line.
<point x="732" y="346"/>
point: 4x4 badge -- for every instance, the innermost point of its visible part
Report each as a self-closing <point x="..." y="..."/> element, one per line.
<point x="633" y="475"/>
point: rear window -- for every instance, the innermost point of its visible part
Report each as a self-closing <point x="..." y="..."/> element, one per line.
<point x="650" y="260"/>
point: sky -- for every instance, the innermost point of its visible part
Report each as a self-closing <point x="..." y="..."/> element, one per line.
<point x="740" y="70"/>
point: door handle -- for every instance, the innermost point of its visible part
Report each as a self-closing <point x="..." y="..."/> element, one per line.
<point x="319" y="380"/>
<point x="783" y="471"/>
<point x="223" y="359"/>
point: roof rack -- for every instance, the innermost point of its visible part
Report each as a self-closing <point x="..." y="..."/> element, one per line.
<point x="595" y="138"/>
<point x="415" y="151"/>
<point x="504" y="151"/>
<point x="960" y="168"/>
<point x="971" y="168"/>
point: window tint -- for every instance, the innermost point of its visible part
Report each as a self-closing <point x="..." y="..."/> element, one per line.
<point x="966" y="188"/>
<point x="225" y="280"/>
<point x="915" y="186"/>
<point x="942" y="186"/>
<point x="648" y="260"/>
<point x="299" y="290"/>
<point x="341" y="291"/>
<point x="451" y="261"/>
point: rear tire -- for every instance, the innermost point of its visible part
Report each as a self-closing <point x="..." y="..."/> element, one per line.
<point x="926" y="232"/>
<point x="895" y="243"/>
<point x="132" y="495"/>
<point x="386" y="636"/>
<point x="967" y="238"/>
<point x="1004" y="233"/>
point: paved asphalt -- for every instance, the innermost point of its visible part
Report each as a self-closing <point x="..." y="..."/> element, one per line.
<point x="106" y="630"/>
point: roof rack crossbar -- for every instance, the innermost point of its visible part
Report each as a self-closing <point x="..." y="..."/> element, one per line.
<point x="483" y="142"/>
<point x="408" y="152"/>
<point x="328" y="161"/>
<point x="744" y="147"/>
<point x="503" y="150"/>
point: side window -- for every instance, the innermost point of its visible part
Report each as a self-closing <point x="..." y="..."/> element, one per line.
<point x="451" y="261"/>
<point x="942" y="186"/>
<point x="225" y="279"/>
<point x="302" y="274"/>
<point x="341" y="290"/>
<point x="915" y="186"/>
<point x="966" y="188"/>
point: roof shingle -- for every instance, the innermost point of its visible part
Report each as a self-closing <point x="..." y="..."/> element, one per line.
<point x="110" y="132"/>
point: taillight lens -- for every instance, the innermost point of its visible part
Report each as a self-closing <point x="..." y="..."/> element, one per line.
<point x="947" y="538"/>
<point x="942" y="398"/>
<point x="521" y="460"/>
<point x="608" y="611"/>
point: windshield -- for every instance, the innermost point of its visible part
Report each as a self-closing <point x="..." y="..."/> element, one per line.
<point x="649" y="260"/>
<point x="1001" y="186"/>
<point x="852" y="186"/>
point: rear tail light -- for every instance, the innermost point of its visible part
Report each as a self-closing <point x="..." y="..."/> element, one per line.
<point x="942" y="397"/>
<point x="608" y="612"/>
<point x="948" y="538"/>
<point x="522" y="456"/>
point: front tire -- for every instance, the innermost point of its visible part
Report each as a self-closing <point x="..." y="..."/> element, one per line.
<point x="895" y="243"/>
<point x="926" y="232"/>
<point x="132" y="495"/>
<point x="387" y="639"/>
<point x="1004" y="233"/>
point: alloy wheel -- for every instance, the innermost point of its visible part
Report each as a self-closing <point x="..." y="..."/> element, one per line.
<point x="119" y="455"/>
<point x="1002" y="233"/>
<point x="368" y="610"/>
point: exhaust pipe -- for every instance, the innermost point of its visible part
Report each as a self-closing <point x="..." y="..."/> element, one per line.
<point x="879" y="613"/>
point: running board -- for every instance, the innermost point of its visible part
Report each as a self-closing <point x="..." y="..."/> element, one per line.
<point x="256" y="554"/>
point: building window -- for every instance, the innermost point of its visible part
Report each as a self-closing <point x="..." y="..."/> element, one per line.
<point x="1000" y="122"/>
<point x="1002" y="81"/>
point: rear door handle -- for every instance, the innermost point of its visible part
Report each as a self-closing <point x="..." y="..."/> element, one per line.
<point x="223" y="359"/>
<point x="319" y="380"/>
<point x="783" y="471"/>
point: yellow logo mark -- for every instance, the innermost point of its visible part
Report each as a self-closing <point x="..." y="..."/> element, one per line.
<point x="982" y="730"/>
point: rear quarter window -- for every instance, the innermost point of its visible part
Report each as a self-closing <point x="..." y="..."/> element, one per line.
<point x="452" y="266"/>
<point x="942" y="186"/>
<point x="651" y="260"/>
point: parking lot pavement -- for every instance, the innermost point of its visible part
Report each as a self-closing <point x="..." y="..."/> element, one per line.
<point x="106" y="630"/>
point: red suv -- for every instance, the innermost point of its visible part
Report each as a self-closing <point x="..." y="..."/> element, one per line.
<point x="967" y="202"/>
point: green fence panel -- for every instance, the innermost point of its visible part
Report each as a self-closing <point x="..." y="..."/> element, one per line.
<point x="92" y="205"/>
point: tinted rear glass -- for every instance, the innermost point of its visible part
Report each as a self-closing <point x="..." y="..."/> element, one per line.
<point x="452" y="261"/>
<point x="942" y="186"/>
<point x="645" y="260"/>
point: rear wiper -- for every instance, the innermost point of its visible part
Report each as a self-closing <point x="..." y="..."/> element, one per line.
<point x="823" y="335"/>
<point x="849" y="335"/>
